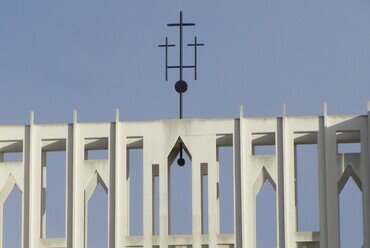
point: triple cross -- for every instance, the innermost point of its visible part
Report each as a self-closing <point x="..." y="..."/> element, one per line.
<point x="181" y="86"/>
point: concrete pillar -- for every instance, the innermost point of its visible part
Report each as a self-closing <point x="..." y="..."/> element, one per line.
<point x="247" y="192"/>
<point x="112" y="185"/>
<point x="69" y="174"/>
<point x="164" y="192"/>
<point x="26" y="190"/>
<point x="365" y="177"/>
<point x="35" y="188"/>
<point x="280" y="205"/>
<point x="78" y="196"/>
<point x="331" y="181"/>
<point x="148" y="197"/>
<point x="237" y="154"/>
<point x="121" y="188"/>
<point x="213" y="199"/>
<point x="289" y="187"/>
<point x="322" y="179"/>
<point x="196" y="198"/>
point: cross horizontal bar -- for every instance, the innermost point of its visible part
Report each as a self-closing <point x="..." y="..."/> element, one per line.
<point x="197" y="44"/>
<point x="180" y="24"/>
<point x="166" y="45"/>
<point x="177" y="66"/>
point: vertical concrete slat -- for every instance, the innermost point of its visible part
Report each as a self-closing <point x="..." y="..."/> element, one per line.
<point x="280" y="228"/>
<point x="35" y="189"/>
<point x="213" y="199"/>
<point x="43" y="183"/>
<point x="26" y="191"/>
<point x="112" y="185"/>
<point x="322" y="181"/>
<point x="332" y="198"/>
<point x="31" y="186"/>
<point x="248" y="206"/>
<point x="289" y="186"/>
<point x="197" y="214"/>
<point x="121" y="230"/>
<point x="247" y="181"/>
<point x="69" y="191"/>
<point x="79" y="234"/>
<point x="148" y="197"/>
<point x="164" y="202"/>
<point x="366" y="183"/>
<point x="237" y="144"/>
<point x="127" y="191"/>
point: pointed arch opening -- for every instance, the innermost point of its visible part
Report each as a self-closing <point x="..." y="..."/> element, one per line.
<point x="266" y="216"/>
<point x="348" y="173"/>
<point x="266" y="219"/>
<point x="12" y="219"/>
<point x="97" y="218"/>
<point x="180" y="190"/>
<point x="350" y="211"/>
<point x="96" y="213"/>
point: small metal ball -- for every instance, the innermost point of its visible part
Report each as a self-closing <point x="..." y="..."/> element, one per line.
<point x="181" y="86"/>
<point x="181" y="162"/>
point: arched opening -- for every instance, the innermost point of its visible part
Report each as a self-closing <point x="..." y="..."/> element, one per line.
<point x="12" y="219"/>
<point x="350" y="209"/>
<point x="97" y="219"/>
<point x="180" y="202"/>
<point x="266" y="216"/>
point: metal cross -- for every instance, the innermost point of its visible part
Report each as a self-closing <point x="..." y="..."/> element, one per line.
<point x="166" y="46"/>
<point x="181" y="86"/>
<point x="195" y="45"/>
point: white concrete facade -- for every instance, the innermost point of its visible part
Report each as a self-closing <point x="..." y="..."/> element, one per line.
<point x="201" y="138"/>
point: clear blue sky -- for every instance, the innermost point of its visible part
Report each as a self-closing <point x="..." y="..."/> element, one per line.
<point x="96" y="56"/>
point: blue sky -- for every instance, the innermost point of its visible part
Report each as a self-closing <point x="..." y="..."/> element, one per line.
<point x="96" y="56"/>
<point x="103" y="55"/>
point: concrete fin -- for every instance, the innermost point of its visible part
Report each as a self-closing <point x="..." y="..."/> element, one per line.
<point x="7" y="188"/>
<point x="261" y="179"/>
<point x="93" y="183"/>
<point x="176" y="150"/>
<point x="348" y="172"/>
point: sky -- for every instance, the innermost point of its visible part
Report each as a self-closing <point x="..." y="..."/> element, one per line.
<point x="96" y="56"/>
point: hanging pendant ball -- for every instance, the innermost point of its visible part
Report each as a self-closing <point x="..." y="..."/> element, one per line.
<point x="181" y="86"/>
<point x="181" y="162"/>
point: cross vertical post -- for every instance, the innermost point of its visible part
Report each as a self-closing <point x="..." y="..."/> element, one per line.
<point x="181" y="86"/>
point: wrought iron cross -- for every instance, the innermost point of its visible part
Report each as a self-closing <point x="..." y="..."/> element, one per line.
<point x="181" y="86"/>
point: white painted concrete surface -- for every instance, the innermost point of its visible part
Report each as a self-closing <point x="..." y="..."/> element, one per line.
<point x="201" y="138"/>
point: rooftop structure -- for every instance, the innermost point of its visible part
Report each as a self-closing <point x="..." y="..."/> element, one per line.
<point x="201" y="139"/>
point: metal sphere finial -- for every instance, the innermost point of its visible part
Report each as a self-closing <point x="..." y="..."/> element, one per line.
<point x="181" y="86"/>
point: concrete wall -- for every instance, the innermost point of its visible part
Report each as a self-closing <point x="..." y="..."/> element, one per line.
<point x="160" y="141"/>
